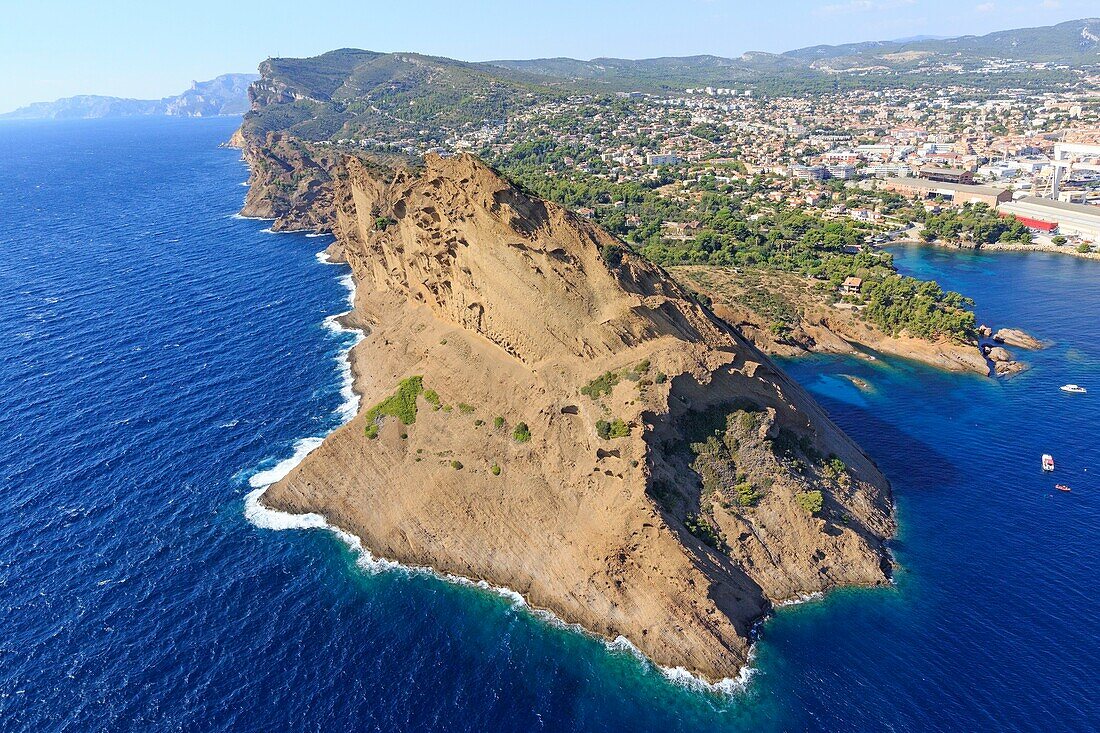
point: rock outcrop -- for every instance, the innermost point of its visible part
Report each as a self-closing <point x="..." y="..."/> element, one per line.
<point x="1003" y="364"/>
<point x="806" y="322"/>
<point x="581" y="429"/>
<point x="1016" y="337"/>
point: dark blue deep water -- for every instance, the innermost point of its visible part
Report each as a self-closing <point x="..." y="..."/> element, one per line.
<point x="156" y="353"/>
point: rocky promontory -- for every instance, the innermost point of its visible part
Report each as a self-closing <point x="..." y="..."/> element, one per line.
<point x="786" y="314"/>
<point x="544" y="410"/>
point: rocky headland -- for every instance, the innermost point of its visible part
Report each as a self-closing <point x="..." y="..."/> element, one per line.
<point x="544" y="410"/>
<point x="787" y="315"/>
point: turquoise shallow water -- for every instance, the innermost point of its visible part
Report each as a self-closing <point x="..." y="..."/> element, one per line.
<point x="158" y="353"/>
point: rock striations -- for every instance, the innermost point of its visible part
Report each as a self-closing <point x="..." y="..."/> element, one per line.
<point x="546" y="411"/>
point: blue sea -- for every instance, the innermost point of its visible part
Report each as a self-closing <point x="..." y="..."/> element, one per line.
<point x="156" y="354"/>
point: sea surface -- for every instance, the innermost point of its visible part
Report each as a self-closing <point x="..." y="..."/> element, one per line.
<point x="158" y="356"/>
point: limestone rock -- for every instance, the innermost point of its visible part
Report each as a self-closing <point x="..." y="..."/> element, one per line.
<point x="1018" y="338"/>
<point x="510" y="306"/>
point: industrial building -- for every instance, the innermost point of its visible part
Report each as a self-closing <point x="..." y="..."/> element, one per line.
<point x="955" y="194"/>
<point x="1071" y="220"/>
<point x="946" y="175"/>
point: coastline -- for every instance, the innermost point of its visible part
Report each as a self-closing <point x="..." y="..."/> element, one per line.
<point x="623" y="566"/>
<point x="1000" y="247"/>
<point x="815" y="327"/>
<point x="265" y="517"/>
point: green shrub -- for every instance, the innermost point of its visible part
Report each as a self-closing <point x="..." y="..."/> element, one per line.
<point x="1084" y="247"/>
<point x="478" y="423"/>
<point x="494" y="469"/>
<point x="522" y="433"/>
<point x="601" y="385"/>
<point x="401" y="404"/>
<point x="833" y="468"/>
<point x="660" y="378"/>
<point x="464" y="408"/>
<point x="747" y="494"/>
<point x="456" y="465"/>
<point x="811" y="501"/>
<point x="619" y="429"/>
<point x="603" y="429"/>
<point x="698" y="525"/>
<point x="498" y="422"/>
<point x="372" y="431"/>
<point x="612" y="254"/>
<point x="381" y="223"/>
<point x="432" y="398"/>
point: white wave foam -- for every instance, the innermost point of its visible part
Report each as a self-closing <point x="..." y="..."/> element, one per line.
<point x="274" y="519"/>
<point x="318" y="234"/>
<point x="684" y="678"/>
<point x="724" y="686"/>
<point x="347" y="409"/>
<point x="799" y="600"/>
<point x="250" y="218"/>
<point x="349" y="283"/>
<point x="280" y="470"/>
<point x="266" y="518"/>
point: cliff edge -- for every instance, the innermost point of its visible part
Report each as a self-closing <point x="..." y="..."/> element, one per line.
<point x="546" y="411"/>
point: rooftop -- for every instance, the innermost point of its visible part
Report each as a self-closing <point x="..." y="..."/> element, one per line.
<point x="927" y="185"/>
<point x="1082" y="209"/>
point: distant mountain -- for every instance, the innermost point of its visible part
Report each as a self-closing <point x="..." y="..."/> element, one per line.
<point x="912" y="39"/>
<point x="1072" y="42"/>
<point x="352" y="89"/>
<point x="392" y="99"/>
<point x="1076" y="42"/>
<point x="224" y="95"/>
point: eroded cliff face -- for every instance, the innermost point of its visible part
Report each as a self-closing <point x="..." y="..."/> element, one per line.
<point x="290" y="181"/>
<point x="668" y="490"/>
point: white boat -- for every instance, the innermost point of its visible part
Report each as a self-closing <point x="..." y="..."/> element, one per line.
<point x="1048" y="462"/>
<point x="1075" y="388"/>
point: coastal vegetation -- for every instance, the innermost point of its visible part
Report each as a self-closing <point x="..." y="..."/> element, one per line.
<point x="699" y="526"/>
<point x="811" y="501"/>
<point x="401" y="404"/>
<point x="904" y="305"/>
<point x="601" y="385"/>
<point x="734" y="230"/>
<point x="715" y="441"/>
<point x="616" y="428"/>
<point x="605" y="383"/>
<point x="522" y="433"/>
<point x="974" y="223"/>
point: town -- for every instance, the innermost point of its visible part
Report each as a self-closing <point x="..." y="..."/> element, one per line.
<point x="887" y="159"/>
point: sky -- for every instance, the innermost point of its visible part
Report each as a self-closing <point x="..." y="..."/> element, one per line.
<point x="154" y="48"/>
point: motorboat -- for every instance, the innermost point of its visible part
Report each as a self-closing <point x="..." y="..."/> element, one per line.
<point x="1048" y="462"/>
<point x="1062" y="487"/>
<point x="1074" y="388"/>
